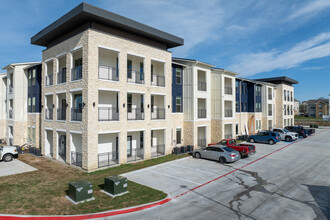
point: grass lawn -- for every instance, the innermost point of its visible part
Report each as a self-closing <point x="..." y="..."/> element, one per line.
<point x="298" y="117"/>
<point x="42" y="192"/>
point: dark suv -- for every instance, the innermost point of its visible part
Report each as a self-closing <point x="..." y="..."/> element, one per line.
<point x="300" y="130"/>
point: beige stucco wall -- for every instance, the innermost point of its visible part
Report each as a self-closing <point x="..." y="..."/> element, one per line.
<point x="34" y="121"/>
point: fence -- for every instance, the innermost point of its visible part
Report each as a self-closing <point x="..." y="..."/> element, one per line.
<point x="135" y="76"/>
<point x="61" y="114"/>
<point x="201" y="113"/>
<point x="76" y="158"/>
<point x="61" y="76"/>
<point x="108" y="114"/>
<point x="158" y="150"/>
<point x="76" y="114"/>
<point x="201" y="86"/>
<point x="158" y="80"/>
<point x="108" y="73"/>
<point x="158" y="113"/>
<point x="76" y="73"/>
<point x="228" y="90"/>
<point x="107" y="159"/>
<point x="49" y="114"/>
<point x="135" y="154"/>
<point x="228" y="113"/>
<point x="135" y="113"/>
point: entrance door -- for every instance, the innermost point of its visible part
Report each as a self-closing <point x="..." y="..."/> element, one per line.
<point x="62" y="147"/>
<point x="129" y="146"/>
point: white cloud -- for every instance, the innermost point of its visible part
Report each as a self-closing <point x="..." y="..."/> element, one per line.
<point x="253" y="63"/>
<point x="310" y="9"/>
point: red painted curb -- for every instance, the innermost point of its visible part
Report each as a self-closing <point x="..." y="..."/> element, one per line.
<point x="139" y="208"/>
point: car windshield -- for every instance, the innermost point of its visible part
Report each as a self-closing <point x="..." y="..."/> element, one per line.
<point x="285" y="130"/>
<point x="232" y="142"/>
<point x="228" y="149"/>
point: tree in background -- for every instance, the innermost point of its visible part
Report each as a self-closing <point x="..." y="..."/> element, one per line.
<point x="303" y="108"/>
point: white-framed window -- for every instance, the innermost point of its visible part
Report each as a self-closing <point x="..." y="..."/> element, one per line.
<point x="178" y="136"/>
<point x="178" y="104"/>
<point x="178" y="73"/>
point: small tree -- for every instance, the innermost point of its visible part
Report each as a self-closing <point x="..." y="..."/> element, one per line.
<point x="303" y="108"/>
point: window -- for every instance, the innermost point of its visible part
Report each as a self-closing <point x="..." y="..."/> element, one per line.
<point x="178" y="72"/>
<point x="223" y="143"/>
<point x="320" y="106"/>
<point x="152" y="103"/>
<point x="129" y="69"/>
<point x="178" y="136"/>
<point x="236" y="129"/>
<point x="178" y="104"/>
<point x="33" y="104"/>
<point x="129" y="102"/>
<point x="34" y="77"/>
<point x="141" y="71"/>
<point x="78" y="101"/>
<point x="284" y="109"/>
<point x="236" y="83"/>
<point x="141" y="139"/>
<point x="152" y="73"/>
<point x="237" y="110"/>
<point x="29" y="105"/>
<point x="142" y="104"/>
<point x="29" y="77"/>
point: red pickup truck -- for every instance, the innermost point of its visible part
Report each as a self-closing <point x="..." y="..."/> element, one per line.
<point x="243" y="149"/>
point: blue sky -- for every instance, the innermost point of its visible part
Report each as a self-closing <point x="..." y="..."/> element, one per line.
<point x="254" y="38"/>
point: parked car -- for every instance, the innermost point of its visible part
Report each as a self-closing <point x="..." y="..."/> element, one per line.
<point x="220" y="153"/>
<point x="7" y="153"/>
<point x="265" y="137"/>
<point x="243" y="149"/>
<point x="298" y="129"/>
<point x="310" y="131"/>
<point x="286" y="134"/>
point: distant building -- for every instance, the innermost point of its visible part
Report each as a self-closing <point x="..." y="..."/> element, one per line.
<point x="317" y="107"/>
<point x="296" y="107"/>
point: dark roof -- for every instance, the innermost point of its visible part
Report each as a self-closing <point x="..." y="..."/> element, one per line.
<point x="190" y="60"/>
<point x="86" y="13"/>
<point x="279" y="80"/>
<point x="314" y="101"/>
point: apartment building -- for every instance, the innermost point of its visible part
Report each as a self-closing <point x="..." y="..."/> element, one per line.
<point x="3" y="105"/>
<point x="15" y="86"/>
<point x="106" y="89"/>
<point x="317" y="107"/>
<point x="296" y="107"/>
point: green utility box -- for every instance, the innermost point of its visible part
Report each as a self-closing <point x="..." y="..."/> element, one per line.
<point x="115" y="185"/>
<point x="80" y="190"/>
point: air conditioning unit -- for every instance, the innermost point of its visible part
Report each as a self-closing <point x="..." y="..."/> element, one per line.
<point x="176" y="150"/>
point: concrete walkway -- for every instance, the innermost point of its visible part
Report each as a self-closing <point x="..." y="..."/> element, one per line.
<point x="14" y="167"/>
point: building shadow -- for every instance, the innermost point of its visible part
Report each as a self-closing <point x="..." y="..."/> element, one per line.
<point x="321" y="195"/>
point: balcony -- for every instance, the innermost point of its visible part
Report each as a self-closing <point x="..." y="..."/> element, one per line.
<point x="61" y="76"/>
<point x="157" y="73"/>
<point x="228" y="113"/>
<point x="135" y="146"/>
<point x="11" y="88"/>
<point x="49" y="114"/>
<point x="157" y="113"/>
<point x="76" y="114"/>
<point x="49" y="80"/>
<point x="108" y="114"/>
<point x="158" y="80"/>
<point x="108" y="73"/>
<point x="135" y="76"/>
<point x="228" y="85"/>
<point x="201" y="86"/>
<point x="61" y="114"/>
<point x="270" y="113"/>
<point x="108" y="149"/>
<point x="201" y="113"/>
<point x="76" y="73"/>
<point x="135" y="113"/>
<point x="270" y="97"/>
<point x="228" y="90"/>
<point x="76" y="158"/>
<point x="10" y="113"/>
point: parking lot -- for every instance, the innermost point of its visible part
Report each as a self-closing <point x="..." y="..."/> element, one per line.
<point x="282" y="181"/>
<point x="14" y="167"/>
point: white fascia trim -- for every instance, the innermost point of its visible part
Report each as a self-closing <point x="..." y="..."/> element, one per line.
<point x="179" y="128"/>
<point x="58" y="92"/>
<point x="48" y="93"/>
<point x="50" y="129"/>
<point x="109" y="132"/>
<point x="137" y="55"/>
<point x="49" y="59"/>
<point x="61" y="130"/>
<point x="109" y="48"/>
<point x="157" y="60"/>
<point x="61" y="54"/>
<point x="156" y="93"/>
<point x="228" y="123"/>
<point x="138" y="92"/>
<point x="133" y="130"/>
<point x="107" y="89"/>
<point x="76" y="48"/>
<point x="75" y="132"/>
<point x="154" y="129"/>
<point x="76" y="90"/>
<point x="199" y="126"/>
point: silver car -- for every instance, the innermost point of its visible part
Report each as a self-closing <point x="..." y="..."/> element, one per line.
<point x="220" y="153"/>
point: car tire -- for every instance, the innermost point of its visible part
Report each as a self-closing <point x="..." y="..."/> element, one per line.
<point x="251" y="140"/>
<point x="222" y="160"/>
<point x="198" y="155"/>
<point x="288" y="138"/>
<point x="271" y="142"/>
<point x="7" y="157"/>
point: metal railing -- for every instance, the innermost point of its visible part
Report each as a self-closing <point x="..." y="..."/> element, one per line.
<point x="48" y="113"/>
<point x="135" y="76"/>
<point x="228" y="113"/>
<point x="158" y="113"/>
<point x="108" y="114"/>
<point x="10" y="113"/>
<point x="108" y="73"/>
<point x="76" y="158"/>
<point x="270" y="113"/>
<point x="61" y="76"/>
<point x="135" y="114"/>
<point x="228" y="90"/>
<point x="61" y="114"/>
<point x="270" y="97"/>
<point x="158" y="80"/>
<point x="11" y="88"/>
<point x="135" y="154"/>
<point x="201" y="113"/>
<point x="107" y="159"/>
<point x="49" y="80"/>
<point x="284" y="112"/>
<point x="158" y="150"/>
<point x="201" y="142"/>
<point x="76" y="73"/>
<point x="201" y="85"/>
<point x="76" y="114"/>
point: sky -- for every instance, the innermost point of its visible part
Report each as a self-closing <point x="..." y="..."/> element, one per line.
<point x="256" y="39"/>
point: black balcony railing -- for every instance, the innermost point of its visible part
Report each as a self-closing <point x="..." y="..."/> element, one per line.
<point x="228" y="90"/>
<point x="270" y="97"/>
<point x="11" y="88"/>
<point x="61" y="114"/>
<point x="108" y="73"/>
<point x="61" y="76"/>
<point x="76" y="73"/>
<point x="201" y="85"/>
<point x="108" y="159"/>
<point x="49" y="113"/>
<point x="76" y="114"/>
<point x="135" y="76"/>
<point x="49" y="80"/>
<point x="228" y="113"/>
<point x="135" y="114"/>
<point x="158" y="150"/>
<point x="158" y="80"/>
<point x="108" y="114"/>
<point x="135" y="154"/>
<point x="270" y="113"/>
<point x="10" y="113"/>
<point x="158" y="113"/>
<point x="201" y="113"/>
<point x="202" y="142"/>
<point x="76" y="158"/>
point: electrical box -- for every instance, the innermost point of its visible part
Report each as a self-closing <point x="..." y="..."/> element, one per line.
<point x="80" y="190"/>
<point x="115" y="185"/>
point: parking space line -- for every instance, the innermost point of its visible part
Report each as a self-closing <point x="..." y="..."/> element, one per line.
<point x="193" y="169"/>
<point x="174" y="177"/>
